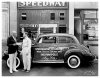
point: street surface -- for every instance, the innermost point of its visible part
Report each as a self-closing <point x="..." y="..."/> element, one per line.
<point x="53" y="70"/>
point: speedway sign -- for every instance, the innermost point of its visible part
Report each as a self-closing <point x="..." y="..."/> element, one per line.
<point x="42" y="4"/>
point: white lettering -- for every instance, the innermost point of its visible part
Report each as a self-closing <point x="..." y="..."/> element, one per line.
<point x="41" y="4"/>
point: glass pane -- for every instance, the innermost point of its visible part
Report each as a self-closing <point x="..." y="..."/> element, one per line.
<point x="52" y="16"/>
<point x="46" y="30"/>
<point x="77" y="12"/>
<point x="90" y="14"/>
<point x="48" y="39"/>
<point x="23" y="16"/>
<point x="61" y="14"/>
<point x="62" y="18"/>
<point x="90" y="29"/>
<point x="64" y="39"/>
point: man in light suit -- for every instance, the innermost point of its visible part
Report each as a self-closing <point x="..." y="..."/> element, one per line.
<point x="26" y="52"/>
<point x="12" y="51"/>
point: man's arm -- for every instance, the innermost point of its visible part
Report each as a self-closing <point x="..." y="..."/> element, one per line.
<point x="29" y="44"/>
<point x="9" y="42"/>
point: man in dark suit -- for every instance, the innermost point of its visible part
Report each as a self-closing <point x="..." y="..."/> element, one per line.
<point x="12" y="51"/>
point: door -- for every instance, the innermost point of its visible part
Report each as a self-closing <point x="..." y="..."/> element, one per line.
<point x="77" y="29"/>
<point x="46" y="50"/>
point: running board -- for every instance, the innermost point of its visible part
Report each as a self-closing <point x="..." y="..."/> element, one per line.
<point x="48" y="61"/>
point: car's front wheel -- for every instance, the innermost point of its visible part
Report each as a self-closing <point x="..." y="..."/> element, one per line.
<point x="73" y="61"/>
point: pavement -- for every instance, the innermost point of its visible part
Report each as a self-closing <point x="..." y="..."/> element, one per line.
<point x="53" y="70"/>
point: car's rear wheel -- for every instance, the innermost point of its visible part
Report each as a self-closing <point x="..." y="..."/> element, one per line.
<point x="73" y="61"/>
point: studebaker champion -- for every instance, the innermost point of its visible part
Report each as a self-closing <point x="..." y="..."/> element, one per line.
<point x="58" y="48"/>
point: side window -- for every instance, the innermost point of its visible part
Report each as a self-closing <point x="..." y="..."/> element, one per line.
<point x="64" y="39"/>
<point x="47" y="39"/>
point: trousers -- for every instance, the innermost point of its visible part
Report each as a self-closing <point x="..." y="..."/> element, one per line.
<point x="12" y="58"/>
<point x="26" y="58"/>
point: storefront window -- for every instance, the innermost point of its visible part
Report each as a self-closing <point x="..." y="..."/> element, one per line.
<point x="77" y="12"/>
<point x="90" y="27"/>
<point x="46" y="30"/>
<point x="90" y="14"/>
<point x="62" y="28"/>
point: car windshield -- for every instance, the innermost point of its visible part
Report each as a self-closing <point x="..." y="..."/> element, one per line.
<point x="65" y="39"/>
<point x="47" y="39"/>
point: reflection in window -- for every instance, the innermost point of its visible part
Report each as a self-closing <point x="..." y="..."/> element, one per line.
<point x="64" y="39"/>
<point x="47" y="39"/>
<point x="90" y="29"/>
<point x="90" y="14"/>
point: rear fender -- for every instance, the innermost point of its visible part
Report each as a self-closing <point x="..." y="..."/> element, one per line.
<point x="73" y="51"/>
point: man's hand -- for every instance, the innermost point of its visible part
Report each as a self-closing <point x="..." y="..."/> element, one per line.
<point x="14" y="44"/>
<point x="20" y="52"/>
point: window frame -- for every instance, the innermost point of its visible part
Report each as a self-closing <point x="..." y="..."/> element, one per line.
<point x="74" y="41"/>
<point x="46" y="43"/>
<point x="52" y="17"/>
<point x="61" y="16"/>
<point x="23" y="16"/>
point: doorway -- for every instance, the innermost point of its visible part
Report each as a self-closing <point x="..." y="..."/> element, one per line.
<point x="77" y="29"/>
<point x="62" y="29"/>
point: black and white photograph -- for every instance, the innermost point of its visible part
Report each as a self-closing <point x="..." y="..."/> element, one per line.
<point x="49" y="38"/>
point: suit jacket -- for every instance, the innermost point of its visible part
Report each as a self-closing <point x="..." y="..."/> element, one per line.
<point x="11" y="48"/>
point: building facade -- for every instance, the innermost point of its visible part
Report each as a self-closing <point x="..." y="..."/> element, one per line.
<point x="43" y="17"/>
<point x="77" y="18"/>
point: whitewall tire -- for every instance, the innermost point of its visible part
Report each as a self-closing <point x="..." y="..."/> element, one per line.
<point x="73" y="61"/>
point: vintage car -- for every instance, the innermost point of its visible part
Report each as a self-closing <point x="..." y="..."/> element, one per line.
<point x="60" y="48"/>
<point x="57" y="48"/>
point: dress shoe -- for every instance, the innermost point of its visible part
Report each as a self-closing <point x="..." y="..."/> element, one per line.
<point x="24" y="70"/>
<point x="11" y="72"/>
<point x="15" y="70"/>
<point x="28" y="71"/>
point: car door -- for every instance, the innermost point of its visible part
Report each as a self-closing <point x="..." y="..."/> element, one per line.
<point x="64" y="43"/>
<point x="43" y="49"/>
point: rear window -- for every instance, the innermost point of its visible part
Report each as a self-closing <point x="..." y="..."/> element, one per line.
<point x="47" y="39"/>
<point x="64" y="39"/>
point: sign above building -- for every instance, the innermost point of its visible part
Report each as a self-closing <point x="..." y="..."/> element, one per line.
<point x="43" y="4"/>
